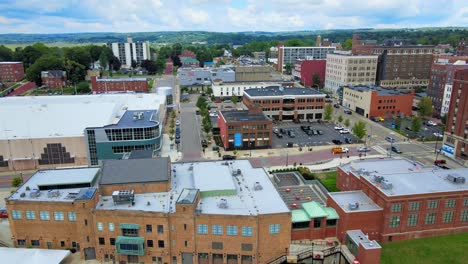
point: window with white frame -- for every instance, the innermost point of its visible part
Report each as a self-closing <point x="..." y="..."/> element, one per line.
<point x="59" y="216"/>
<point x="447" y="217"/>
<point x="274" y="228"/>
<point x="44" y="215"/>
<point x="30" y="215"/>
<point x="217" y="229"/>
<point x="231" y="230"/>
<point x="202" y="229"/>
<point x="111" y="227"/>
<point x="247" y="231"/>
<point x="100" y="226"/>
<point x="72" y="216"/>
<point x="16" y="214"/>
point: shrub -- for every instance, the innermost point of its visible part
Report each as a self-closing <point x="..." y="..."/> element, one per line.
<point x="15" y="182"/>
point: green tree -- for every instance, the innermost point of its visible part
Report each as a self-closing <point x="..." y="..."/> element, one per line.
<point x="83" y="88"/>
<point x="6" y="54"/>
<point x="78" y="54"/>
<point x="416" y="124"/>
<point x="16" y="182"/>
<point x="207" y="125"/>
<point x="316" y="81"/>
<point x="348" y="44"/>
<point x="340" y="118"/>
<point x="288" y="68"/>
<point x="44" y="63"/>
<point x="347" y="122"/>
<point x="425" y="107"/>
<point x="201" y="102"/>
<point x="327" y="115"/>
<point x="234" y="99"/>
<point x="359" y="129"/>
<point x="398" y="122"/>
<point x="150" y="66"/>
<point x="103" y="60"/>
<point x="75" y="71"/>
<point x="443" y="119"/>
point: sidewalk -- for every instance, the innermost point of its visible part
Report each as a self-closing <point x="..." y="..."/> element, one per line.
<point x="166" y="150"/>
<point x="333" y="163"/>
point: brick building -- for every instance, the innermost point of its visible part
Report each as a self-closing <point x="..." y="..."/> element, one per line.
<point x="11" y="71"/>
<point x="305" y="70"/>
<point x="54" y="79"/>
<point x="119" y="85"/>
<point x="254" y="129"/>
<point x="398" y="199"/>
<point x="280" y="103"/>
<point x="152" y="211"/>
<point x="374" y="101"/>
<point x="456" y="131"/>
<point x="462" y="48"/>
<point x="440" y="83"/>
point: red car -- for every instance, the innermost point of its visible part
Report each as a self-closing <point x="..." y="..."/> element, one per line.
<point x="3" y="212"/>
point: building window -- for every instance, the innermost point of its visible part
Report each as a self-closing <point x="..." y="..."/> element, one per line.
<point x="129" y="232"/>
<point x="59" y="216"/>
<point x="149" y="228"/>
<point x="414" y="206"/>
<point x="21" y="242"/>
<point x="274" y="228"/>
<point x="396" y="208"/>
<point x="15" y="214"/>
<point x="202" y="229"/>
<point x="62" y="243"/>
<point x="112" y="241"/>
<point x="231" y="230"/>
<point x="160" y="229"/>
<point x="102" y="241"/>
<point x="412" y="220"/>
<point x="149" y="243"/>
<point x="35" y="243"/>
<point x="450" y="203"/>
<point x="465" y="202"/>
<point x="430" y="218"/>
<point x="111" y="227"/>
<point x="464" y="216"/>
<point x="217" y="229"/>
<point x="85" y="222"/>
<point x="100" y="226"/>
<point x="331" y="222"/>
<point x="246" y="247"/>
<point x="247" y="231"/>
<point x="72" y="216"/>
<point x="432" y="204"/>
<point x="30" y="215"/>
<point x="448" y="217"/>
<point x="55" y="153"/>
<point x="160" y="243"/>
<point x="394" y="221"/>
<point x="317" y="222"/>
<point x="217" y="245"/>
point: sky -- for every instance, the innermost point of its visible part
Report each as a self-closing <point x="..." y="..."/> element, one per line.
<point x="73" y="16"/>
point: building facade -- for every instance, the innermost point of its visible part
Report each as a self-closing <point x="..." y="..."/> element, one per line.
<point x="11" y="71"/>
<point x="348" y="69"/>
<point x="122" y="85"/>
<point x="130" y="51"/>
<point x="166" y="213"/>
<point x="282" y="103"/>
<point x="305" y="70"/>
<point x="227" y="90"/>
<point x="242" y="129"/>
<point x="204" y="76"/>
<point x="54" y="79"/>
<point x="456" y="130"/>
<point x="288" y="55"/>
<point x="253" y="73"/>
<point x="374" y="101"/>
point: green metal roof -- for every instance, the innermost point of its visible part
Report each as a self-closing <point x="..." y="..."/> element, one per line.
<point x="129" y="226"/>
<point x="314" y="209"/>
<point x="130" y="240"/>
<point x="299" y="215"/>
<point x="189" y="60"/>
<point x="332" y="214"/>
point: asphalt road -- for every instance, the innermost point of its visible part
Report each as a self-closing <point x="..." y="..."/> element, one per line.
<point x="190" y="132"/>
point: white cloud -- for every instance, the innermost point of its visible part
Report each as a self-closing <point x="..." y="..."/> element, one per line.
<point x="195" y="16"/>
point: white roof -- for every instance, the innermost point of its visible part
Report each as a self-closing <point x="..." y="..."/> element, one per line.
<point x="207" y="179"/>
<point x="382" y="166"/>
<point x="67" y="116"/>
<point x="344" y="199"/>
<point x="32" y="255"/>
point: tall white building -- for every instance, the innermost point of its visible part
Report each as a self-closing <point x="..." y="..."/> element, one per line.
<point x="291" y="54"/>
<point x="130" y="51"/>
<point x="347" y="69"/>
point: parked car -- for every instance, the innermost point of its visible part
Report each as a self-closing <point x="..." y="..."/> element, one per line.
<point x="337" y="141"/>
<point x="177" y="130"/>
<point x="408" y="128"/>
<point x="348" y="141"/>
<point x="440" y="162"/>
<point x="338" y="127"/>
<point x="380" y="119"/>
<point x="344" y="131"/>
<point x="3" y="212"/>
<point x="279" y="135"/>
<point x="177" y="140"/>
<point x="291" y="134"/>
<point x="431" y="123"/>
<point x="177" y="122"/>
<point x="229" y="157"/>
<point x="320" y="132"/>
<point x="204" y="143"/>
<point x="363" y="149"/>
<point x="276" y="131"/>
<point x="305" y="128"/>
<point x="437" y="134"/>
<point x="282" y="131"/>
<point x="396" y="149"/>
<point x="290" y="145"/>
<point x="177" y="136"/>
<point x="339" y="150"/>
<point x="349" y="112"/>
<point x="310" y="132"/>
<point x="390" y="139"/>
<point x="227" y="101"/>
<point x="336" y="105"/>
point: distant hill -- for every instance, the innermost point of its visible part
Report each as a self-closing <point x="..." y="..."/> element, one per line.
<point x="421" y="36"/>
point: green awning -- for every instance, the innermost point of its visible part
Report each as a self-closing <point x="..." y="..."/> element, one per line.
<point x="134" y="246"/>
<point x="129" y="226"/>
<point x="299" y="215"/>
<point x="332" y="214"/>
<point x="130" y="240"/>
<point x="314" y="209"/>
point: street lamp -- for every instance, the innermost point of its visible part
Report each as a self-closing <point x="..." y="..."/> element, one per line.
<point x="435" y="147"/>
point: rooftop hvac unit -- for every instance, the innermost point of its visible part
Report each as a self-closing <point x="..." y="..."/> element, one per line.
<point x="258" y="186"/>
<point x="35" y="193"/>
<point x="455" y="178"/>
<point x="22" y="194"/>
<point x="353" y="206"/>
<point x="379" y="179"/>
<point x="123" y="196"/>
<point x="386" y="185"/>
<point x="223" y="203"/>
<point x="236" y="172"/>
<point x="53" y="193"/>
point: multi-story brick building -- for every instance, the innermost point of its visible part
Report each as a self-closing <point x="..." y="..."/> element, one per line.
<point x="254" y="129"/>
<point x="152" y="211"/>
<point x="54" y="79"/>
<point x="305" y="70"/>
<point x="347" y="69"/>
<point x="441" y="80"/>
<point x="280" y="103"/>
<point x="456" y="130"/>
<point x="11" y="71"/>
<point x="374" y="101"/>
<point x="288" y="55"/>
<point x="398" y="199"/>
<point x="122" y="85"/>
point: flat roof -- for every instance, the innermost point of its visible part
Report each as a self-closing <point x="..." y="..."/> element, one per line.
<point x="130" y="119"/>
<point x="344" y="199"/>
<point x="382" y="166"/>
<point x="281" y="91"/>
<point x="33" y="255"/>
<point x="380" y="91"/>
<point x="135" y="171"/>
<point x="243" y="115"/>
<point x="10" y="62"/>
<point x="206" y="178"/>
<point x="51" y="116"/>
<point x="56" y="178"/>
<point x="122" y="80"/>
<point x="358" y="237"/>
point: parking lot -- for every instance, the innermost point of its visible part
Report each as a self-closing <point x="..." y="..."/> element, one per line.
<point x="426" y="131"/>
<point x="303" y="140"/>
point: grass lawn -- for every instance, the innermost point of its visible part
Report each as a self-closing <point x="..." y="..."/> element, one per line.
<point x="444" y="249"/>
<point x="328" y="179"/>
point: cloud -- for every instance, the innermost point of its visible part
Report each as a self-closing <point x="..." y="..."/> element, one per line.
<point x="195" y="16"/>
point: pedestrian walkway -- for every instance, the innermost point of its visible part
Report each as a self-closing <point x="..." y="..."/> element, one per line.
<point x="168" y="149"/>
